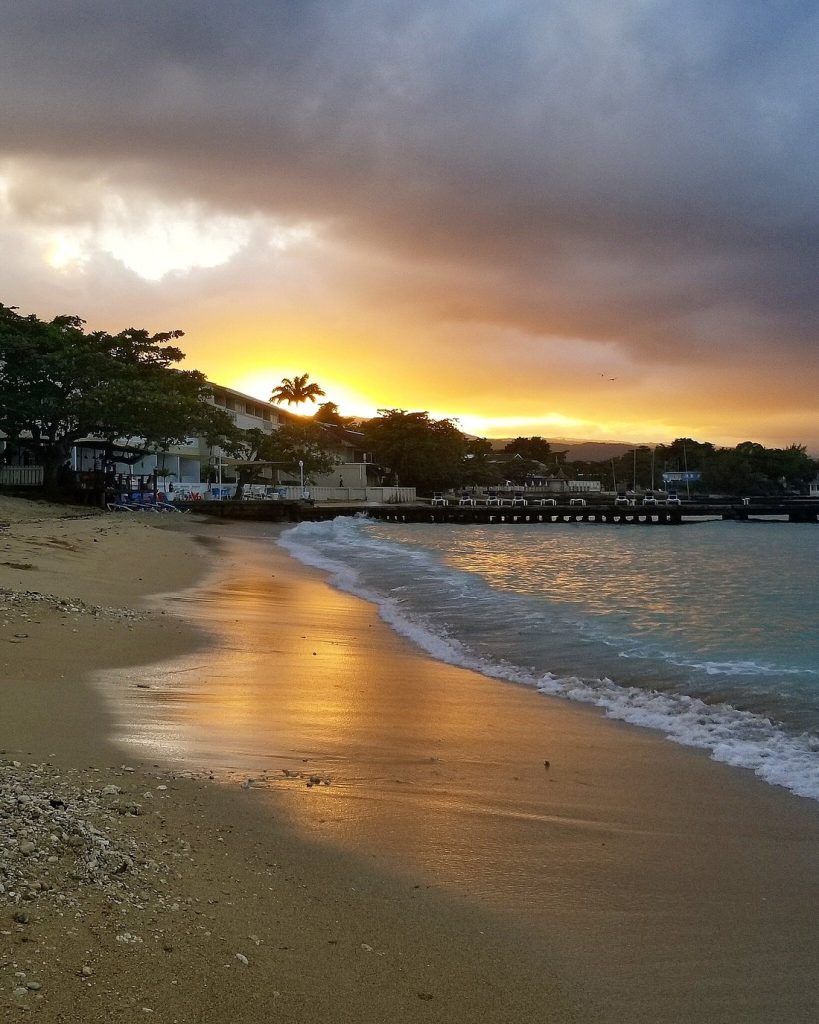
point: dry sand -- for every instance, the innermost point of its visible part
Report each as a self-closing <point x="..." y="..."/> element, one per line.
<point x="672" y="889"/>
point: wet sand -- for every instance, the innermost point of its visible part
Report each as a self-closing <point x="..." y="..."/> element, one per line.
<point x="659" y="882"/>
<point x="444" y="873"/>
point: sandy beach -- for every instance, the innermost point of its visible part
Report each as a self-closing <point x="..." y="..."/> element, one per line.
<point x="444" y="873"/>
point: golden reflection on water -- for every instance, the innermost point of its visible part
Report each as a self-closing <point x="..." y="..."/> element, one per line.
<point x="641" y="576"/>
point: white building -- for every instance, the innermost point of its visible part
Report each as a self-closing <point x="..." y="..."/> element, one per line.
<point x="193" y="467"/>
<point x="183" y="464"/>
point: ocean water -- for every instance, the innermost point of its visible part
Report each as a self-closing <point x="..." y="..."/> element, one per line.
<point x="708" y="632"/>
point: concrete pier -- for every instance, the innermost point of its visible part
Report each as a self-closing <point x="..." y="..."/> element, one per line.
<point x="793" y="510"/>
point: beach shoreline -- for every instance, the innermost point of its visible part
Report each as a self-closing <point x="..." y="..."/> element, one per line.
<point x="330" y="931"/>
<point x="220" y="914"/>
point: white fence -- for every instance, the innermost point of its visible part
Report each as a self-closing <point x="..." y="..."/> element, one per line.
<point x="21" y="476"/>
<point x="256" y="492"/>
<point x="374" y="495"/>
<point x="552" y="490"/>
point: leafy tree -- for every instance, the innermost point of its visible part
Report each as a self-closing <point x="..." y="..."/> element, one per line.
<point x="419" y="451"/>
<point x="634" y="468"/>
<point x="250" y="448"/>
<point x="534" y="449"/>
<point x="296" y="390"/>
<point x="789" y="467"/>
<point x="751" y="469"/>
<point x="747" y="469"/>
<point x="478" y="470"/>
<point x="59" y="384"/>
<point x="296" y="443"/>
<point x="522" y="470"/>
<point x="328" y="412"/>
<point x="285" y="448"/>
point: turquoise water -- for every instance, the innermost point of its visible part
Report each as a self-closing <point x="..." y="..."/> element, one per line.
<point x="709" y="632"/>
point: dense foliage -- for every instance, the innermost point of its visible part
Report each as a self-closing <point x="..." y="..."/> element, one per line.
<point x="59" y="384"/>
<point x="747" y="469"/>
<point x="284" y="449"/>
<point x="328" y="413"/>
<point x="533" y="449"/>
<point x="416" y="450"/>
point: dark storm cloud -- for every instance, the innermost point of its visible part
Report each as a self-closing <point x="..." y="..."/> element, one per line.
<point x="642" y="172"/>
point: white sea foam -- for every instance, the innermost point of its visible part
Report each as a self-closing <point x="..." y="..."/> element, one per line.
<point x="741" y="667"/>
<point x="733" y="736"/>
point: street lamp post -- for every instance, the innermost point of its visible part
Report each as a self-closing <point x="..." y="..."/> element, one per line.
<point x="301" y="477"/>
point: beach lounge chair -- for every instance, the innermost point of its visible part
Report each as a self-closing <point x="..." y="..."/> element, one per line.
<point x="439" y="499"/>
<point x="466" y="499"/>
<point x="673" y="498"/>
<point x="577" y="501"/>
<point x="622" y="498"/>
<point x="543" y="501"/>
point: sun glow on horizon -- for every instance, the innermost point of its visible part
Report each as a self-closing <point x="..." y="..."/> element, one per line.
<point x="352" y="402"/>
<point x="260" y="385"/>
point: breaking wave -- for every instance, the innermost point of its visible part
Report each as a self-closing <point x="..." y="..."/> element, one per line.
<point x="458" y="617"/>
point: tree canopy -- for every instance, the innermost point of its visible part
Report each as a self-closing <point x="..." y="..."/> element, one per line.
<point x="59" y="384"/>
<point x="417" y="450"/>
<point x="749" y="468"/>
<point x="535" y="449"/>
<point x="478" y="470"/>
<point x="329" y="413"/>
<point x="284" y="448"/>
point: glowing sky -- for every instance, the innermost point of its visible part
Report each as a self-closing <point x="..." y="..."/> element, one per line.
<point x="575" y="218"/>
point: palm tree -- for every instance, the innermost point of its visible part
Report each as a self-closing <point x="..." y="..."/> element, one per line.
<point x="296" y="390"/>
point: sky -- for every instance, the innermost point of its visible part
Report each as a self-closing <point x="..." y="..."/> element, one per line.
<point x="573" y="218"/>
